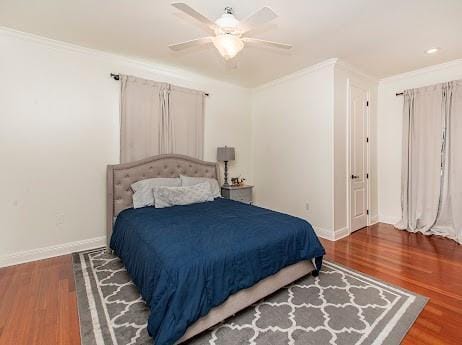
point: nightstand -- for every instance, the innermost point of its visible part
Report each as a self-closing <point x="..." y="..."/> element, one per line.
<point x="238" y="193"/>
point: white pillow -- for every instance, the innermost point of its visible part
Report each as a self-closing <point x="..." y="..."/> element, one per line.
<point x="191" y="181"/>
<point x="143" y="196"/>
<point x="171" y="196"/>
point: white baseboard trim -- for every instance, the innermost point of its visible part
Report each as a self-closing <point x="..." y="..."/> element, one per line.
<point x="388" y="220"/>
<point x="51" y="251"/>
<point x="331" y="235"/>
<point x="341" y="233"/>
<point x="373" y="219"/>
<point x="324" y="233"/>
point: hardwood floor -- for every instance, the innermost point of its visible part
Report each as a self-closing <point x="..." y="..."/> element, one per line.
<point x="38" y="305"/>
<point x="38" y="302"/>
<point x="430" y="266"/>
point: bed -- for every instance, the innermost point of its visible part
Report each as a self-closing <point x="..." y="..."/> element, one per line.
<point x="196" y="265"/>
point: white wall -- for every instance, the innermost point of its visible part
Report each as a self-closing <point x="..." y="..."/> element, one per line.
<point x="300" y="143"/>
<point x="390" y="131"/>
<point x="59" y="128"/>
<point x="292" y="144"/>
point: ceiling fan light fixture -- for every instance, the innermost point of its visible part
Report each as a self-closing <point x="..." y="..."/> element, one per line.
<point x="228" y="35"/>
<point x="228" y="45"/>
<point x="432" y="51"/>
<point x="227" y="22"/>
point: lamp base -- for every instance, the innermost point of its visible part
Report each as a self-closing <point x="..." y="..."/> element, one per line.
<point x="225" y="183"/>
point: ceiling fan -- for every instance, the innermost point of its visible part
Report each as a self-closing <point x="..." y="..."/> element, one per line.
<point x="228" y="33"/>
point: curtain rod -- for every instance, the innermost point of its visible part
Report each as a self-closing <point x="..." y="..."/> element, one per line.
<point x="399" y="93"/>
<point x="117" y="77"/>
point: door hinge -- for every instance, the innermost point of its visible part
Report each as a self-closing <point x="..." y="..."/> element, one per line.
<point x="367" y="139"/>
<point x="367" y="103"/>
<point x="367" y="211"/>
<point x="367" y="175"/>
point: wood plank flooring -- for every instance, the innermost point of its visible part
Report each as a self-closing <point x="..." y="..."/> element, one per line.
<point x="38" y="305"/>
<point x="430" y="266"/>
<point x="38" y="301"/>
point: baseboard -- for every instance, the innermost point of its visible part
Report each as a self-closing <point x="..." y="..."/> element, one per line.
<point x="51" y="251"/>
<point x="331" y="235"/>
<point x="373" y="219"/>
<point x="341" y="233"/>
<point x="324" y="233"/>
<point x="388" y="220"/>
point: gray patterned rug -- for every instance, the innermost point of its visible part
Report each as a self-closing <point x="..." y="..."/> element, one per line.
<point x="341" y="306"/>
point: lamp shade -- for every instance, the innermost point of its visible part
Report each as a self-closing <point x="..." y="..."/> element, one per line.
<point x="225" y="154"/>
<point x="228" y="45"/>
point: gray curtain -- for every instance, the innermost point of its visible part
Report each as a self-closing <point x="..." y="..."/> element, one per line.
<point x="432" y="147"/>
<point x="159" y="118"/>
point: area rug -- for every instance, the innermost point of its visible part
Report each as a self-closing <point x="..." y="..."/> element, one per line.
<point x="340" y="306"/>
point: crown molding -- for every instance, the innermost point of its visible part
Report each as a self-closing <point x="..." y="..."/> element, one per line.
<point x="352" y="69"/>
<point x="298" y="74"/>
<point x="313" y="68"/>
<point x="147" y="65"/>
<point x="421" y="71"/>
<point x="169" y="71"/>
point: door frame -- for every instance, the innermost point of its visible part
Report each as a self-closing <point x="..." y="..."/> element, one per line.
<point x="367" y="91"/>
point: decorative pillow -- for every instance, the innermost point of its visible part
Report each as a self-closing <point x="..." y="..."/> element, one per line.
<point x="143" y="196"/>
<point x="171" y="196"/>
<point x="191" y="181"/>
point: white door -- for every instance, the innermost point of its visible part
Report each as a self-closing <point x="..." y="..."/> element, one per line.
<point x="358" y="158"/>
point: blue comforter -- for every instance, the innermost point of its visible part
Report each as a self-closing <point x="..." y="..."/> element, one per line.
<point x="187" y="259"/>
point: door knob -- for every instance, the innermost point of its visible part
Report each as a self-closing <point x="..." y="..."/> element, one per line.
<point x="354" y="176"/>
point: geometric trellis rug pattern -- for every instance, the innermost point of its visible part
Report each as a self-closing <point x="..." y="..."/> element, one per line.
<point x="339" y="307"/>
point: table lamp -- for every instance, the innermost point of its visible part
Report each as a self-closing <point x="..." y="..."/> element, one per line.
<point x="225" y="154"/>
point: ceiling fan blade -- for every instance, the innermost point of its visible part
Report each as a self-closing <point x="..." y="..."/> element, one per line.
<point x="260" y="17"/>
<point x="262" y="43"/>
<point x="196" y="15"/>
<point x="189" y="44"/>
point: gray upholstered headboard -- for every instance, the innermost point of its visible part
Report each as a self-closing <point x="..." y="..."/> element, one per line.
<point x="121" y="176"/>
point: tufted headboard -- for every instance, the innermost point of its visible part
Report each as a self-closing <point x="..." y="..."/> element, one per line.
<point x="121" y="176"/>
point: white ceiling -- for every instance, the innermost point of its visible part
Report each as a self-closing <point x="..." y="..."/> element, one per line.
<point x="379" y="37"/>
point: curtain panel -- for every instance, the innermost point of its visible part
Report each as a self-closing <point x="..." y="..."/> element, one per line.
<point x="187" y="121"/>
<point x="159" y="118"/>
<point x="431" y="192"/>
<point x="140" y="109"/>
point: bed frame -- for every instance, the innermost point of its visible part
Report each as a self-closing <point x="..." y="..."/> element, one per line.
<point x="119" y="197"/>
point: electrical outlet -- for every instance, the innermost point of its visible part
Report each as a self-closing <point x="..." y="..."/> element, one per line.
<point x="59" y="219"/>
<point x="307" y="206"/>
